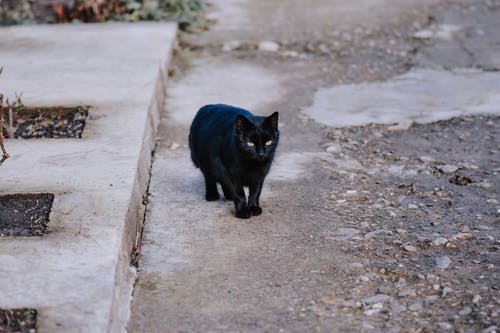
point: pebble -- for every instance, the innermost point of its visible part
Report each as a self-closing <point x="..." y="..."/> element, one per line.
<point x="371" y="312"/>
<point x="476" y="299"/>
<point x="333" y="148"/>
<point x="445" y="326"/>
<point x="412" y="206"/>
<point x="465" y="311"/>
<point x="446" y="291"/>
<point x="426" y="159"/>
<point x="378" y="233"/>
<point x="268" y="46"/>
<point x="430" y="299"/>
<point x="356" y="265"/>
<point x="291" y="54"/>
<point x="439" y="241"/>
<point x="231" y="45"/>
<point x="417" y="306"/>
<point x="409" y="248"/>
<point x="407" y="292"/>
<point x="401" y="231"/>
<point x="443" y="262"/>
<point x="448" y="168"/>
<point x="174" y="146"/>
<point x="490" y="267"/>
<point x="379" y="298"/>
<point x="462" y="236"/>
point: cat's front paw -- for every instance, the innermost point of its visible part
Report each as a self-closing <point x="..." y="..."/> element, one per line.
<point x="243" y="213"/>
<point x="255" y="210"/>
<point x="212" y="196"/>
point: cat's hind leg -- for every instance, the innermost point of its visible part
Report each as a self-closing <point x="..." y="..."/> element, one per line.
<point x="211" y="193"/>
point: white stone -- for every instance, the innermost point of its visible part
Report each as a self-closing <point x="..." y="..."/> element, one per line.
<point x="268" y="46"/>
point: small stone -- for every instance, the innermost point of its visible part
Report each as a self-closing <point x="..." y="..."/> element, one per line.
<point x="445" y="326"/>
<point x="465" y="229"/>
<point x="345" y="233"/>
<point x="462" y="236"/>
<point x="379" y="298"/>
<point x="450" y="246"/>
<point x="333" y="148"/>
<point x="443" y="262"/>
<point x="407" y="292"/>
<point x="409" y="248"/>
<point x="378" y="233"/>
<point x="291" y="54"/>
<point x="446" y="291"/>
<point x="423" y="34"/>
<point x="439" y="241"/>
<point x="412" y="206"/>
<point x="357" y="265"/>
<point x="476" y="299"/>
<point x="371" y="312"/>
<point x="268" y="46"/>
<point x="417" y="306"/>
<point x="484" y="185"/>
<point x="430" y="299"/>
<point x="231" y="45"/>
<point x="174" y="146"/>
<point x="401" y="231"/>
<point x="465" y="311"/>
<point x="448" y="168"/>
<point x="426" y="159"/>
<point x="490" y="329"/>
<point x="490" y="267"/>
<point x="392" y="214"/>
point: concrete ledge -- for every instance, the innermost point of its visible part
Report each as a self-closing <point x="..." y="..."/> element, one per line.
<point x="78" y="276"/>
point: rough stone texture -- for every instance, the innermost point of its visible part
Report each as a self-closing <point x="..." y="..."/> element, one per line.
<point x="78" y="276"/>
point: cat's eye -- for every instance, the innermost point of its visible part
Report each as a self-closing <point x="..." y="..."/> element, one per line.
<point x="250" y="144"/>
<point x="269" y="142"/>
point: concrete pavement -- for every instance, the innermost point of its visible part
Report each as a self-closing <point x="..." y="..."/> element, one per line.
<point x="331" y="251"/>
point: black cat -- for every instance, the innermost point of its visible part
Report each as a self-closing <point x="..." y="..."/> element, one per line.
<point x="233" y="147"/>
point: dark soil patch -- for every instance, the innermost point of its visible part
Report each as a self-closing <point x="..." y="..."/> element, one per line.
<point x="54" y="122"/>
<point x="25" y="214"/>
<point x="18" y="320"/>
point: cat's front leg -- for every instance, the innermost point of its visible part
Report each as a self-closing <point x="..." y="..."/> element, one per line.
<point x="255" y="189"/>
<point x="236" y="192"/>
<point x="240" y="203"/>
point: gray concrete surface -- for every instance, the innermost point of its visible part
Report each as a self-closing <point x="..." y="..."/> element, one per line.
<point x="78" y="276"/>
<point x="357" y="221"/>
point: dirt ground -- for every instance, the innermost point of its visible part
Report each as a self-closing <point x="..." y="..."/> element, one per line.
<point x="25" y="214"/>
<point x="18" y="320"/>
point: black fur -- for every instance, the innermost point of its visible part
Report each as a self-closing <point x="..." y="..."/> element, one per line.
<point x="219" y="141"/>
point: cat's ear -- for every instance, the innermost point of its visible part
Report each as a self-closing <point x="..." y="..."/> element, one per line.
<point x="242" y="124"/>
<point x="272" y="121"/>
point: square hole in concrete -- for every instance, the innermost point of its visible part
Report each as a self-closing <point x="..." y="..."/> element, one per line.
<point x="18" y="320"/>
<point x="46" y="122"/>
<point x="25" y="214"/>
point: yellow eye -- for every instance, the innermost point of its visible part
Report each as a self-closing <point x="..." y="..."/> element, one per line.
<point x="269" y="142"/>
<point x="250" y="144"/>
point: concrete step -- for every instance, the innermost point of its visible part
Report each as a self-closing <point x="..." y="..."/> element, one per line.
<point x="78" y="276"/>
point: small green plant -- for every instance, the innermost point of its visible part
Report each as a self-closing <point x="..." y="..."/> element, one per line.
<point x="15" y="12"/>
<point x="187" y="13"/>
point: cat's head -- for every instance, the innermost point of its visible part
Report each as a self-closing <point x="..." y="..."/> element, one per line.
<point x="257" y="141"/>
